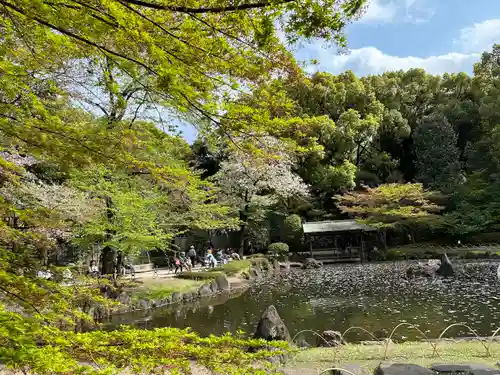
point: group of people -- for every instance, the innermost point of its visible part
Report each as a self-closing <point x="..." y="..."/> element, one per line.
<point x="211" y="259"/>
<point x="179" y="262"/>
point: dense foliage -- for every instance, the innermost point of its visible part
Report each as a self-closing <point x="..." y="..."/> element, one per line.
<point x="369" y="135"/>
<point x="92" y="162"/>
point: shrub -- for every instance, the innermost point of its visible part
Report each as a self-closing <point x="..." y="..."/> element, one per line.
<point x="209" y="275"/>
<point x="394" y="254"/>
<point x="278" y="250"/>
<point x="292" y="231"/>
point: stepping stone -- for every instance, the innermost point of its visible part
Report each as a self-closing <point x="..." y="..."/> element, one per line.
<point x="464" y="369"/>
<point x="402" y="369"/>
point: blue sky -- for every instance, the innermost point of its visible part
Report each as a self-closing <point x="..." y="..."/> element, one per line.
<point x="437" y="35"/>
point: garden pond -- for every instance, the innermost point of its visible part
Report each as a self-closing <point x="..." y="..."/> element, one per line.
<point x="374" y="296"/>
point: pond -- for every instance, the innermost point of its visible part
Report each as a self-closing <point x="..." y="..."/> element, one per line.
<point x="374" y="296"/>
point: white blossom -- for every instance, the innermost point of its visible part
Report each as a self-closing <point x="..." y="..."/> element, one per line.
<point x="261" y="179"/>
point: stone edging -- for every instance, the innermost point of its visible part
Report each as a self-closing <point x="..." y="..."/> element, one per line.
<point x="220" y="285"/>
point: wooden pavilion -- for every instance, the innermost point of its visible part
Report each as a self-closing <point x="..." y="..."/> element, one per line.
<point x="338" y="240"/>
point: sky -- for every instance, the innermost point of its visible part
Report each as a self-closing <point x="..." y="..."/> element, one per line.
<point x="439" y="36"/>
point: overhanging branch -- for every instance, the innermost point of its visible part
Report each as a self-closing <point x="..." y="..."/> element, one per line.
<point x="221" y="9"/>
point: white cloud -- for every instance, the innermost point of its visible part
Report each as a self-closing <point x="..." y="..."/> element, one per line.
<point x="480" y="36"/>
<point x="370" y="60"/>
<point x="379" y="12"/>
<point x="393" y="11"/>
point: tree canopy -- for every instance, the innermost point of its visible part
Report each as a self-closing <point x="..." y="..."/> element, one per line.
<point x="91" y="96"/>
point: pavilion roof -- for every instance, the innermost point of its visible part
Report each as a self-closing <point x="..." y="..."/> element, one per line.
<point x="335" y="226"/>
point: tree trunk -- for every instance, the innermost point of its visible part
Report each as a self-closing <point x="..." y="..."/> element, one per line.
<point x="242" y="234"/>
<point x="243" y="229"/>
<point x="108" y="253"/>
<point x="383" y="239"/>
<point x="108" y="261"/>
<point x="119" y="264"/>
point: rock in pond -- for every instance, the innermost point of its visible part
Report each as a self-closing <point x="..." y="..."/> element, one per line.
<point x="402" y="369"/>
<point x="432" y="269"/>
<point x="205" y="291"/>
<point x="421" y="270"/>
<point x="311" y="263"/>
<point x="271" y="327"/>
<point x="213" y="287"/>
<point x="176" y="297"/>
<point x="222" y="283"/>
<point x="188" y="296"/>
<point x="142" y="305"/>
<point x="329" y="339"/>
<point x="445" y="268"/>
<point x="276" y="265"/>
<point x="254" y="273"/>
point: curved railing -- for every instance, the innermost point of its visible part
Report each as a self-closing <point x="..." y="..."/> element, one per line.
<point x="485" y="342"/>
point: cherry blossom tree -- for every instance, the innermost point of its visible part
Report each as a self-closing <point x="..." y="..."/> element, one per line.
<point x="252" y="182"/>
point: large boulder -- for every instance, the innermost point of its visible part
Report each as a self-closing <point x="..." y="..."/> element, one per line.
<point x="402" y="369"/>
<point x="311" y="263"/>
<point x="329" y="339"/>
<point x="205" y="291"/>
<point x="222" y="283"/>
<point x="276" y="265"/>
<point x="432" y="269"/>
<point x="445" y="268"/>
<point x="213" y="287"/>
<point x="176" y="297"/>
<point x="271" y="327"/>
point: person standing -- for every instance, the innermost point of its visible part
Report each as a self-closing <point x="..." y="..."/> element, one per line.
<point x="177" y="263"/>
<point x="192" y="255"/>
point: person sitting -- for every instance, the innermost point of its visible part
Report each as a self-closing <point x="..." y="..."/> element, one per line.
<point x="210" y="260"/>
<point x="93" y="269"/>
<point x="45" y="274"/>
<point x="128" y="266"/>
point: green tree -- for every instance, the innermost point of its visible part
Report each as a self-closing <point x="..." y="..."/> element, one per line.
<point x="399" y="206"/>
<point x="438" y="165"/>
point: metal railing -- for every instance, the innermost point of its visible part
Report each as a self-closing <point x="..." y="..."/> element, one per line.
<point x="486" y="342"/>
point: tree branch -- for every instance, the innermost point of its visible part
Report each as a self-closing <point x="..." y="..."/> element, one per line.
<point x="221" y="9"/>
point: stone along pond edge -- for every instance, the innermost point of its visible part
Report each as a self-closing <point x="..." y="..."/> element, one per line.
<point x="221" y="284"/>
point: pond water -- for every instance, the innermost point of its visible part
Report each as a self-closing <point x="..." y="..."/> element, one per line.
<point x="373" y="296"/>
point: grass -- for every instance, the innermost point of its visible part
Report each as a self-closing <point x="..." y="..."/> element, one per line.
<point x="163" y="289"/>
<point x="419" y="353"/>
<point x="233" y="268"/>
<point x="237" y="267"/>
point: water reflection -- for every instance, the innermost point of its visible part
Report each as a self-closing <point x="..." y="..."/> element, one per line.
<point x="373" y="296"/>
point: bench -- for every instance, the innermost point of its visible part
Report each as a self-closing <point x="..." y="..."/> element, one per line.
<point x="146" y="267"/>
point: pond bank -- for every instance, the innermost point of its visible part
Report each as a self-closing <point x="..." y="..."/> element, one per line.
<point x="227" y="280"/>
